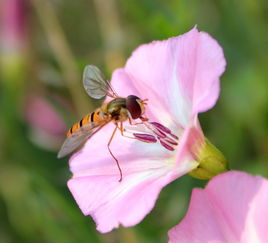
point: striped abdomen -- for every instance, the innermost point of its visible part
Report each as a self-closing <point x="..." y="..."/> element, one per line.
<point x="94" y="118"/>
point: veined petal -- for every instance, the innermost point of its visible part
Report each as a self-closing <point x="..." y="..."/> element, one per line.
<point x="94" y="158"/>
<point x="122" y="83"/>
<point x="190" y="144"/>
<point x="124" y="86"/>
<point x="146" y="169"/>
<point x="232" y="208"/>
<point x="111" y="203"/>
<point x="182" y="72"/>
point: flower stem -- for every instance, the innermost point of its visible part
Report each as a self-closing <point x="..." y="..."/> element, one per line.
<point x="63" y="54"/>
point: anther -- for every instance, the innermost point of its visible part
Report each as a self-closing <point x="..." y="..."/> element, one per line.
<point x="165" y="145"/>
<point x="161" y="127"/>
<point x="171" y="141"/>
<point x="145" y="137"/>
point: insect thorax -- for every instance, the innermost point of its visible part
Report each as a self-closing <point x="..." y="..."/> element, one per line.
<point x="117" y="109"/>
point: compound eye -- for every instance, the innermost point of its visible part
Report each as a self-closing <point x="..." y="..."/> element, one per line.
<point x="133" y="106"/>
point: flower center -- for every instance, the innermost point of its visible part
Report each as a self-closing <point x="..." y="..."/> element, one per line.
<point x="159" y="133"/>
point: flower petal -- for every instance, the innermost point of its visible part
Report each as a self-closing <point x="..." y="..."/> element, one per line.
<point x="182" y="72"/>
<point x="146" y="168"/>
<point x="94" y="158"/>
<point x="124" y="86"/>
<point x="232" y="208"/>
<point x="111" y="202"/>
<point x="122" y="83"/>
<point x="190" y="144"/>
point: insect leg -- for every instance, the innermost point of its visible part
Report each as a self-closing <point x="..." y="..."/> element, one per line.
<point x="117" y="163"/>
<point x="132" y="122"/>
<point x="122" y="131"/>
<point x="147" y="138"/>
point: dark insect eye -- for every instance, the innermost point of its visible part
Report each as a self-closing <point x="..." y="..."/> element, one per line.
<point x="133" y="106"/>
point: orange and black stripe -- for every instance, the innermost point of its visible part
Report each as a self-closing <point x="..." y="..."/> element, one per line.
<point x="88" y="118"/>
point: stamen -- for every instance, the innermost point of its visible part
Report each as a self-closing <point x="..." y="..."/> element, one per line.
<point x="174" y="136"/>
<point x="161" y="127"/>
<point x="165" y="145"/>
<point x="171" y="141"/>
<point x="159" y="133"/>
<point x="145" y="137"/>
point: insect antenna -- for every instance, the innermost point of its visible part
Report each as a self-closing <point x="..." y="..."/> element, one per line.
<point x="117" y="163"/>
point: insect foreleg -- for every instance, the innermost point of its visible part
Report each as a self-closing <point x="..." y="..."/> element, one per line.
<point x="117" y="163"/>
<point x="132" y="122"/>
<point x="122" y="131"/>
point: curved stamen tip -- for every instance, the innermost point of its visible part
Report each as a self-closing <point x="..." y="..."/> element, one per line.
<point x="174" y="136"/>
<point x="167" y="146"/>
<point x="159" y="133"/>
<point x="161" y="127"/>
<point x="145" y="137"/>
<point x="171" y="141"/>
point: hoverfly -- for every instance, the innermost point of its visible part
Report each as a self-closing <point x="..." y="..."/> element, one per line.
<point x="118" y="110"/>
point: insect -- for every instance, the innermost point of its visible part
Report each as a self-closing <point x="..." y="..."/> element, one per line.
<point x="118" y="110"/>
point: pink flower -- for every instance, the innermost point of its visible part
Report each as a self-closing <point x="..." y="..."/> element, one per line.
<point x="180" y="78"/>
<point x="46" y="126"/>
<point x="41" y="114"/>
<point x="13" y="25"/>
<point x="232" y="208"/>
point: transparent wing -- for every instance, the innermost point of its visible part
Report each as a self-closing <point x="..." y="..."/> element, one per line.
<point x="78" y="138"/>
<point x="95" y="83"/>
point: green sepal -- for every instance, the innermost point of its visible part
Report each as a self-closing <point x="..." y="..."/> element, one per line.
<point x="211" y="162"/>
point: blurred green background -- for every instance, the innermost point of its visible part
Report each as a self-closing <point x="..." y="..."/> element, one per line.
<point x="44" y="47"/>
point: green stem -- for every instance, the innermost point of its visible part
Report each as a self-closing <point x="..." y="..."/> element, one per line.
<point x="63" y="54"/>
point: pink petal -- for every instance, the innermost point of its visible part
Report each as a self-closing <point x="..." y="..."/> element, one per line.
<point x="232" y="208"/>
<point x="146" y="168"/>
<point x="95" y="159"/>
<point x="110" y="202"/>
<point x="181" y="72"/>
<point x="125" y="86"/>
<point x="190" y="143"/>
<point x="13" y="32"/>
<point x="41" y="114"/>
<point x="122" y="84"/>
